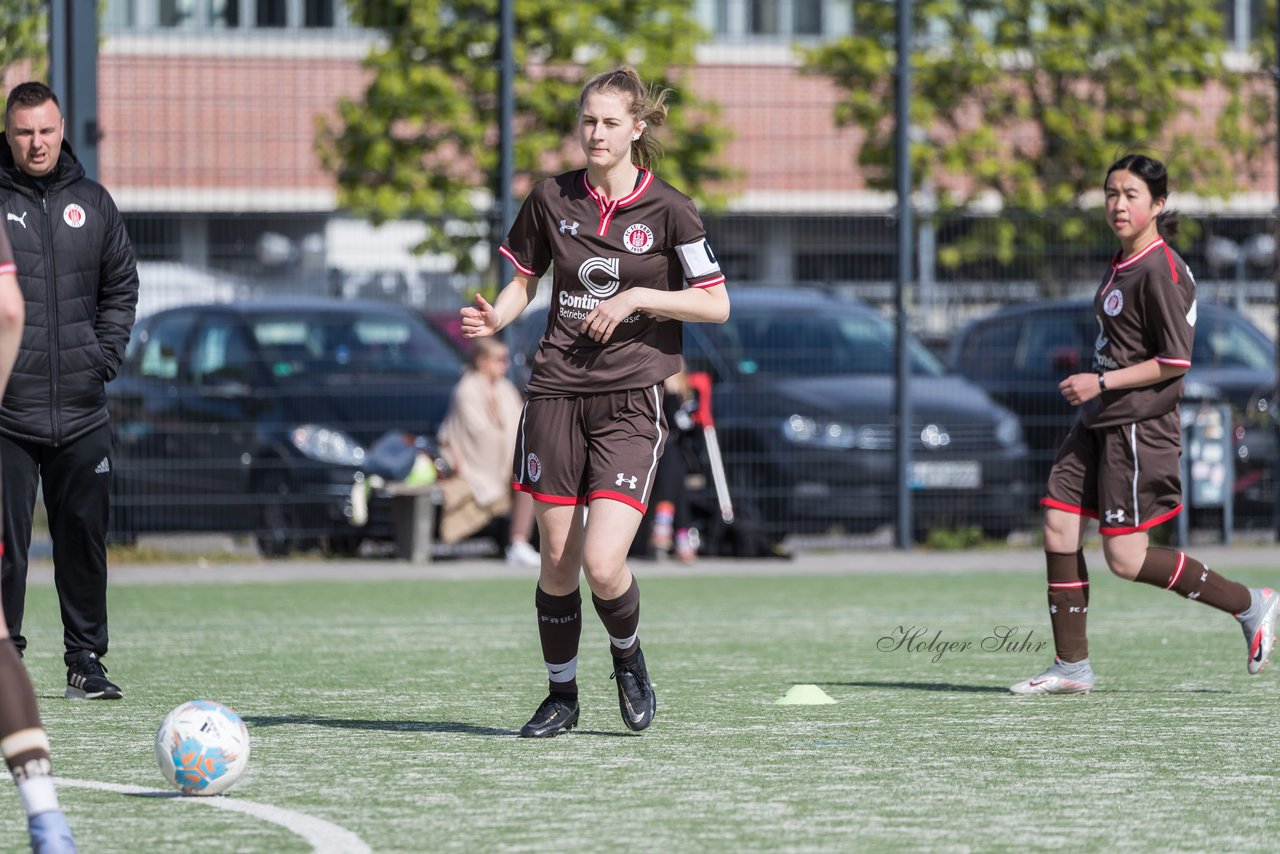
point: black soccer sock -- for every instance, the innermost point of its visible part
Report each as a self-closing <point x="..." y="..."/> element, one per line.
<point x="559" y="629"/>
<point x="621" y="618"/>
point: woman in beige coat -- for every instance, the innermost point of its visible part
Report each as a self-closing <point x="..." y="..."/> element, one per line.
<point x="478" y="439"/>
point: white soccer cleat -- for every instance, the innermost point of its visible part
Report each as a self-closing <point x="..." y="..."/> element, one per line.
<point x="1058" y="679"/>
<point x="1260" y="632"/>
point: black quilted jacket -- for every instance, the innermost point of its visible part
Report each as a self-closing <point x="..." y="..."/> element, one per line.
<point x="80" y="282"/>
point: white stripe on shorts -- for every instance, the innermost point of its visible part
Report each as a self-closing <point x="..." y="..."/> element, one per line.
<point x="657" y="423"/>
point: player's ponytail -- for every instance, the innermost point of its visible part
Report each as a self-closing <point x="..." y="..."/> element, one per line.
<point x="648" y="108"/>
<point x="1167" y="224"/>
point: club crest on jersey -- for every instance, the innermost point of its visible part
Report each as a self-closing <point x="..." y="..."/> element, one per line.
<point x="637" y="238"/>
<point x="1113" y="303"/>
<point x="73" y="215"/>
<point x="535" y="468"/>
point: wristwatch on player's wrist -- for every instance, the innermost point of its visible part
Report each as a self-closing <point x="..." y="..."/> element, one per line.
<point x="1102" y="381"/>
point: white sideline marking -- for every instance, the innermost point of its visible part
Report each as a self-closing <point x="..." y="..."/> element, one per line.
<point x="325" y="837"/>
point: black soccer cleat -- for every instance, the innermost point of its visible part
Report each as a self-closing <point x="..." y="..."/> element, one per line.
<point x="87" y="680"/>
<point x="635" y="692"/>
<point x="556" y="714"/>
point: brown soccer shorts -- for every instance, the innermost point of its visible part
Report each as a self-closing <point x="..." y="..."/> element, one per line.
<point x="573" y="450"/>
<point x="1128" y="477"/>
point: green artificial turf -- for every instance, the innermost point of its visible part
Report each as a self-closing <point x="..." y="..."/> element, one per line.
<point x="390" y="708"/>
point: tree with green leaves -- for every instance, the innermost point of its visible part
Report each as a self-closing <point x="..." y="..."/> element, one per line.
<point x="22" y="34"/>
<point x="1028" y="103"/>
<point x="423" y="140"/>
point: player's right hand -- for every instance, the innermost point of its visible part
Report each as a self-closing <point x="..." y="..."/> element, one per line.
<point x="480" y="320"/>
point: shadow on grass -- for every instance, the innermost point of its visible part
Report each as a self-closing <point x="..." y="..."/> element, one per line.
<point x="401" y="726"/>
<point x="996" y="689"/>
<point x="922" y="686"/>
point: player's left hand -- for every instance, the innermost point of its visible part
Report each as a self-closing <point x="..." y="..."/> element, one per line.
<point x="604" y="318"/>
<point x="1079" y="388"/>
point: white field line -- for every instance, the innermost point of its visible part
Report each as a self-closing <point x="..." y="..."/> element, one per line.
<point x="324" y="837"/>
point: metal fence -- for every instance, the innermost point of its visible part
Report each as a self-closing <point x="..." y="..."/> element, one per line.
<point x="210" y="113"/>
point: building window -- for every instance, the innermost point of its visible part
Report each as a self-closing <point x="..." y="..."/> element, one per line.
<point x="179" y="14"/>
<point x="318" y="13"/>
<point x="271" y="13"/>
<point x="776" y="20"/>
<point x="119" y="16"/>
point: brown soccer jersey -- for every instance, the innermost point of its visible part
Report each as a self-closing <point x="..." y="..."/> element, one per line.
<point x="1146" y="309"/>
<point x="651" y="238"/>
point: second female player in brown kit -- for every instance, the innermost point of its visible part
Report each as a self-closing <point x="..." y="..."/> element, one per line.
<point x="1120" y="464"/>
<point x="631" y="261"/>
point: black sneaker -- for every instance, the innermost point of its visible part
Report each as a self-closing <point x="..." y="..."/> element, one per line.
<point x="635" y="692"/>
<point x="555" y="714"/>
<point x="87" y="680"/>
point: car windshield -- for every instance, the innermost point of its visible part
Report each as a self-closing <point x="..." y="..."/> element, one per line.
<point x="832" y="343"/>
<point x="341" y="344"/>
<point x="1227" y="341"/>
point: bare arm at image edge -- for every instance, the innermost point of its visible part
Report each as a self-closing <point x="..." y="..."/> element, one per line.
<point x="12" y="312"/>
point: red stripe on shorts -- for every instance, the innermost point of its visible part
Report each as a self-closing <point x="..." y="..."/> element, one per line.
<point x="1054" y="504"/>
<point x="616" y="496"/>
<point x="547" y="499"/>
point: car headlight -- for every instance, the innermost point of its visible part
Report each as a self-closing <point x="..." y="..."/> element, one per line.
<point x="327" y="445"/>
<point x="1008" y="432"/>
<point x="829" y="434"/>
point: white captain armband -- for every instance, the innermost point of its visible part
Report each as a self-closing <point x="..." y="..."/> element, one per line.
<point x="697" y="259"/>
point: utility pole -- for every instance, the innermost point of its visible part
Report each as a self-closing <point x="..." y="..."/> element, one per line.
<point x="507" y="133"/>
<point x="73" y="75"/>
<point x="905" y="524"/>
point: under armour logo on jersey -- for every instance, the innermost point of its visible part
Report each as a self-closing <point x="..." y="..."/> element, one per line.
<point x="103" y="467"/>
<point x="1195" y="595"/>
<point x="1114" y="517"/>
<point x="20" y="220"/>
<point x="1053" y="609"/>
<point x="572" y="229"/>
<point x="1204" y="576"/>
<point x="629" y="481"/>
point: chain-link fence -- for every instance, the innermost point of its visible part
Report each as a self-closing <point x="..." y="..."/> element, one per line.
<point x="223" y="142"/>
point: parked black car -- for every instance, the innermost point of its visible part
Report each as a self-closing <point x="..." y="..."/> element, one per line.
<point x="804" y="406"/>
<point x="256" y="416"/>
<point x="803" y="401"/>
<point x="1021" y="352"/>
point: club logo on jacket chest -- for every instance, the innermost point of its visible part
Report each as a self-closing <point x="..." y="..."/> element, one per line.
<point x="73" y="215"/>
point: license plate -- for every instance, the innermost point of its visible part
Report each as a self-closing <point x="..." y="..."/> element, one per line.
<point x="957" y="475"/>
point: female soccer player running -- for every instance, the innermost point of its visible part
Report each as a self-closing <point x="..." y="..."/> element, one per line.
<point x="1120" y="463"/>
<point x="630" y="260"/>
<point x="22" y="738"/>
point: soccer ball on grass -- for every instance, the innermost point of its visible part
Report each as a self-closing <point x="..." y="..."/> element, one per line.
<point x="202" y="747"/>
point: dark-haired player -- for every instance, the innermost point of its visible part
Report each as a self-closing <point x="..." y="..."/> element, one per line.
<point x="1120" y="463"/>
<point x="630" y="260"/>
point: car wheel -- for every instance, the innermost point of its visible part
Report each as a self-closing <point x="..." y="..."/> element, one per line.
<point x="277" y="523"/>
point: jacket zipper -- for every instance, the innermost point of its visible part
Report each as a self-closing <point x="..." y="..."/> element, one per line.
<point x="51" y="298"/>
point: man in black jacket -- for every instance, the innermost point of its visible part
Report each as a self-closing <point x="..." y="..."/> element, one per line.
<point x="80" y="283"/>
